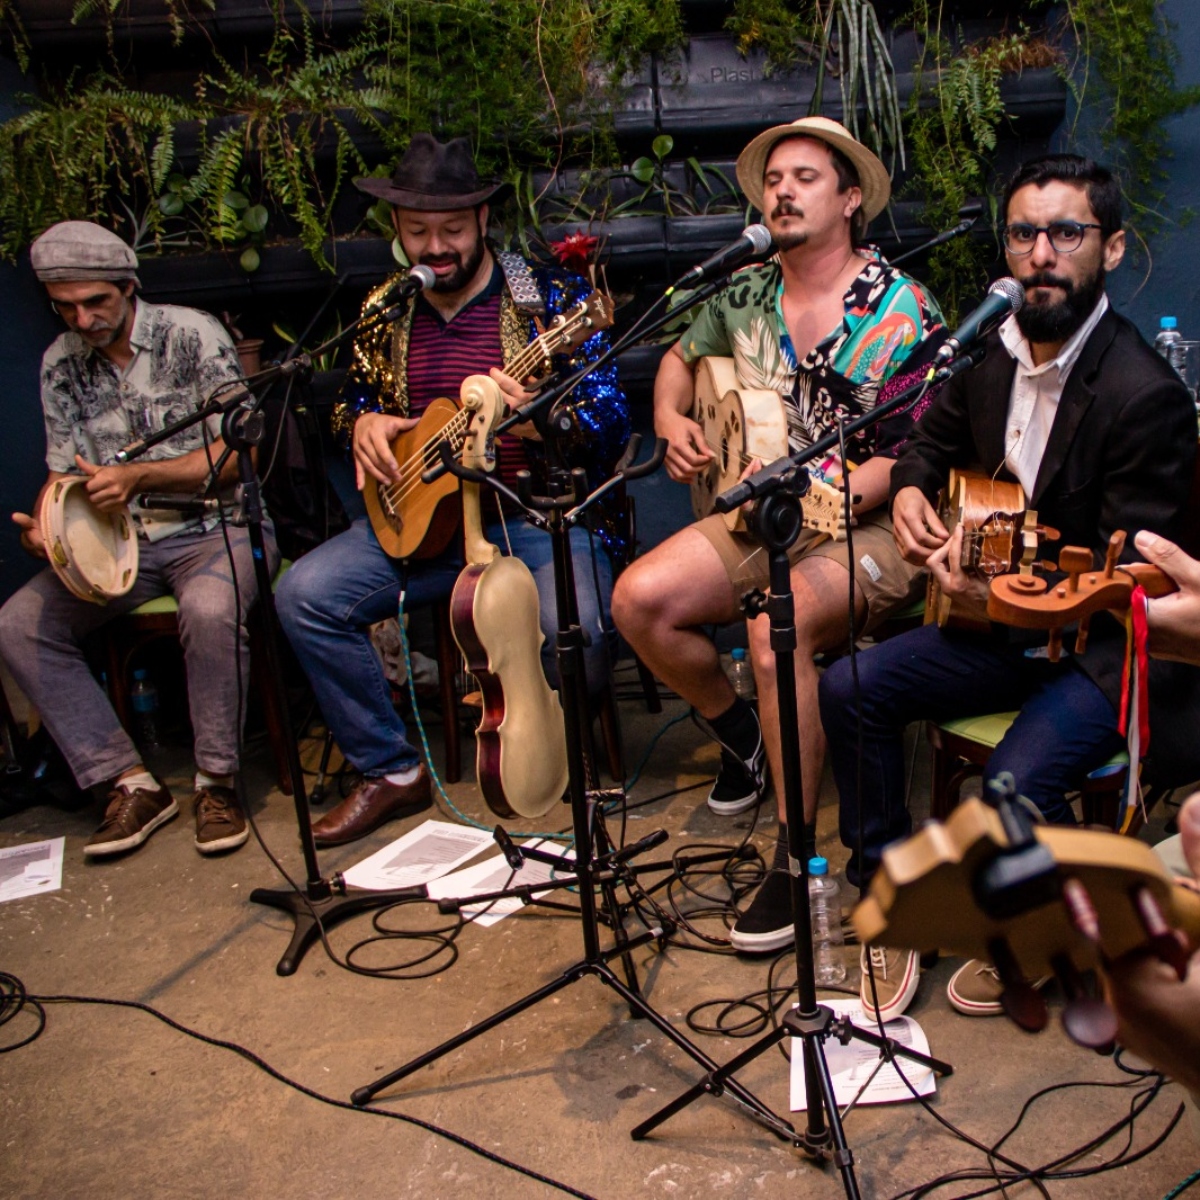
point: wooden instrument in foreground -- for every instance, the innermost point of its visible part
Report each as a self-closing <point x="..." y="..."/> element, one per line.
<point x="94" y="553"/>
<point x="742" y="424"/>
<point x="1033" y="901"/>
<point x="413" y="519"/>
<point x="521" y="741"/>
<point x="992" y="514"/>
<point x="1027" y="601"/>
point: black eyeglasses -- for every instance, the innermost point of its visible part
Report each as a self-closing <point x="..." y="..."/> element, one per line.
<point x="1065" y="236"/>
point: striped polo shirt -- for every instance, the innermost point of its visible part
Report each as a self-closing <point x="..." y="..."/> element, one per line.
<point x="441" y="354"/>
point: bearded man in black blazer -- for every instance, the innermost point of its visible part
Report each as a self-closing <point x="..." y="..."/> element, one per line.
<point x="1101" y="433"/>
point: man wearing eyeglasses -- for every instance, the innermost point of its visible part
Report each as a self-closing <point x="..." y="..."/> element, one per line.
<point x="1101" y="434"/>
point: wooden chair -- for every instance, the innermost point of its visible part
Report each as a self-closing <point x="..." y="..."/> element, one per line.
<point x="159" y="618"/>
<point x="962" y="747"/>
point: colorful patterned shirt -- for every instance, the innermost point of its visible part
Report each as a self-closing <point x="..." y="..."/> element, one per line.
<point x="887" y="314"/>
<point x="180" y="357"/>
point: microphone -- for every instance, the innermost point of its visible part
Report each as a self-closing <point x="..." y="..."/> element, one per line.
<point x="1005" y="297"/>
<point x="754" y="245"/>
<point x="192" y="506"/>
<point x="419" y="278"/>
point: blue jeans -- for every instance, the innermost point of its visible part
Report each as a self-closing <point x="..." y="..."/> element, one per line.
<point x="329" y="598"/>
<point x="1066" y="726"/>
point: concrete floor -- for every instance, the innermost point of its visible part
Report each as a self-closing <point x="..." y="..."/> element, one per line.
<point x="111" y="1102"/>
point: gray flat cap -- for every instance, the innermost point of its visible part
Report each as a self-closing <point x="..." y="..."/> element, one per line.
<point x="74" y="250"/>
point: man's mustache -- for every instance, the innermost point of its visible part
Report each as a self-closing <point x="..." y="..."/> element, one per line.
<point x="785" y="208"/>
<point x="1046" y="279"/>
<point x="442" y="260"/>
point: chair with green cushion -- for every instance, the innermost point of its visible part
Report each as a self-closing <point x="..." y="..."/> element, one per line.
<point x="159" y="618"/>
<point x="962" y="747"/>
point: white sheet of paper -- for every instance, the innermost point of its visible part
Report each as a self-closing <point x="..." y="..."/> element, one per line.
<point x="433" y="849"/>
<point x="850" y="1066"/>
<point x="30" y="869"/>
<point x="492" y="875"/>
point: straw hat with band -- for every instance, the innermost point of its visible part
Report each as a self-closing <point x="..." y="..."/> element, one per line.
<point x="873" y="177"/>
<point x="434" y="177"/>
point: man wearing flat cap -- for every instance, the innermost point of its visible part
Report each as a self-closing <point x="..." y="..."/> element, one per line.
<point x="829" y="326"/>
<point x="125" y="369"/>
<point x="478" y="315"/>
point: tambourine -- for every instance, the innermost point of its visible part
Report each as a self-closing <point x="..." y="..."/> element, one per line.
<point x="94" y="553"/>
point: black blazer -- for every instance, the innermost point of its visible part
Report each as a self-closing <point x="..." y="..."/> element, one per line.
<point x="1121" y="455"/>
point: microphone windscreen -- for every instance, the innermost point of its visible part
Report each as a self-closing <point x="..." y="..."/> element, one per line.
<point x="1009" y="287"/>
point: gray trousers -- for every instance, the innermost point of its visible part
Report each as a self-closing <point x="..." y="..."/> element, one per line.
<point x="42" y="628"/>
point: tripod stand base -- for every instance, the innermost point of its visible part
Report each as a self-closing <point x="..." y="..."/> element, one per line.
<point x="307" y="911"/>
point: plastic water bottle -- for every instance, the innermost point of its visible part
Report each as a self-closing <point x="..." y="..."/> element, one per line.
<point x="1168" y="336"/>
<point x="824" y="901"/>
<point x="143" y="697"/>
<point x="741" y="675"/>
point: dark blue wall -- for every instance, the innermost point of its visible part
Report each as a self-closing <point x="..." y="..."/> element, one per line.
<point x="27" y="327"/>
<point x="1173" y="286"/>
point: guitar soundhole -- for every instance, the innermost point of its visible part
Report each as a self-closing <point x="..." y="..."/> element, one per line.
<point x="724" y="456"/>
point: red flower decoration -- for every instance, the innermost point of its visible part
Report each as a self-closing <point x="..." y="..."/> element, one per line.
<point x="576" y="251"/>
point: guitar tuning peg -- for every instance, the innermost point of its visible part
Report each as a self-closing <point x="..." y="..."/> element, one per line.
<point x="1081" y="910"/>
<point x="1160" y="937"/>
<point x="1022" y="1002"/>
<point x="1087" y="1020"/>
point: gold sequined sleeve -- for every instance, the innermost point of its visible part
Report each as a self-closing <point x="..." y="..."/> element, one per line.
<point x="371" y="382"/>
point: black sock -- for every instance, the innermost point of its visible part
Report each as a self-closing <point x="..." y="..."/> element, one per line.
<point x="737" y="727"/>
<point x="781" y="850"/>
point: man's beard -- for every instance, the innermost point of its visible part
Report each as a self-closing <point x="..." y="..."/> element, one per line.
<point x="99" y="337"/>
<point x="464" y="269"/>
<point x="788" y="241"/>
<point x="1049" y="323"/>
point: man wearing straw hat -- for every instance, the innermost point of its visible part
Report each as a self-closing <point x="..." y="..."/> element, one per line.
<point x="830" y="326"/>
<point x="125" y="369"/>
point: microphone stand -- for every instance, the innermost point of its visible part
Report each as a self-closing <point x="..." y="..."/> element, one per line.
<point x="776" y="522"/>
<point x="322" y="902"/>
<point x="947" y="235"/>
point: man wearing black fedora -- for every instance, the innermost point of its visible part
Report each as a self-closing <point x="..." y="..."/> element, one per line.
<point x="480" y="312"/>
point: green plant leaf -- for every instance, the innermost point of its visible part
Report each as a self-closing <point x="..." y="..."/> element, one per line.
<point x="235" y="200"/>
<point x="255" y="218"/>
<point x="170" y="205"/>
<point x="250" y="260"/>
<point x="642" y="170"/>
<point x="662" y="145"/>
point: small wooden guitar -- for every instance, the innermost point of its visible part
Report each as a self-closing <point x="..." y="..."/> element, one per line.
<point x="521" y="741"/>
<point x="1027" y="601"/>
<point x="1033" y="901"/>
<point x="742" y="424"/>
<point x="992" y="514"/>
<point x="413" y="519"/>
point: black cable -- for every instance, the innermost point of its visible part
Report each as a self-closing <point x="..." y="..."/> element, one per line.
<point x="10" y="985"/>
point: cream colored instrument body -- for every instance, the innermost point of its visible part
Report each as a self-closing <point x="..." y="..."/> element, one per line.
<point x="95" y="554"/>
<point x="741" y="424"/>
<point x="521" y="743"/>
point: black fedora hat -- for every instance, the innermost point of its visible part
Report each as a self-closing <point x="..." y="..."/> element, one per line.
<point x="432" y="177"/>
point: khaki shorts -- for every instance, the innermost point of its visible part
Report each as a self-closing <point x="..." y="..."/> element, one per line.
<point x="881" y="576"/>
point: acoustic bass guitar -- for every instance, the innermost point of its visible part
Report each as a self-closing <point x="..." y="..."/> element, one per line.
<point x="413" y="519"/>
<point x="521" y="741"/>
<point x="741" y="425"/>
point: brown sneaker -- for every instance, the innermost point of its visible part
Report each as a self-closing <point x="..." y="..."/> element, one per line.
<point x="975" y="989"/>
<point x="130" y="818"/>
<point x="896" y="972"/>
<point x="220" y="822"/>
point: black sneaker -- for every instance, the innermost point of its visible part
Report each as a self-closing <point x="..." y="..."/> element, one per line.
<point x="741" y="782"/>
<point x="767" y="925"/>
<point x="130" y="818"/>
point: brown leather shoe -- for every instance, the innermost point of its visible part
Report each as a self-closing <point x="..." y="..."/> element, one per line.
<point x="373" y="803"/>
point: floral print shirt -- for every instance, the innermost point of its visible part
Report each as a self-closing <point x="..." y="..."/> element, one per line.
<point x="887" y="314"/>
